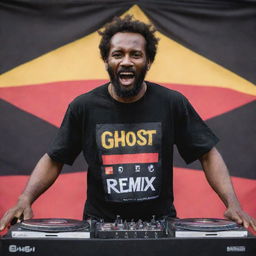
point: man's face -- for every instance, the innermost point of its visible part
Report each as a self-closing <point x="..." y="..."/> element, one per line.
<point x="127" y="63"/>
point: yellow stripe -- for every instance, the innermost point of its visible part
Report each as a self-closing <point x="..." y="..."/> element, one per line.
<point x="80" y="60"/>
<point x="76" y="61"/>
<point x="176" y="64"/>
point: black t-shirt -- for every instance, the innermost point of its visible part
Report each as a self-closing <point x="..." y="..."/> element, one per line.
<point x="129" y="149"/>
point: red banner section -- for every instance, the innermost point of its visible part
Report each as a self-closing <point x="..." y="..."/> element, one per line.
<point x="38" y="99"/>
<point x="193" y="196"/>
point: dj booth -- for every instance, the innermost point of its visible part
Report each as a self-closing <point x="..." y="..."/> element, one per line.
<point x="130" y="238"/>
<point x="135" y="247"/>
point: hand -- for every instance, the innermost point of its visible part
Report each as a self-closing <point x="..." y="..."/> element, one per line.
<point x="22" y="210"/>
<point x="240" y="217"/>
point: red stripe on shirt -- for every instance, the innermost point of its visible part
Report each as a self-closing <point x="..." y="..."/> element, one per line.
<point x="130" y="158"/>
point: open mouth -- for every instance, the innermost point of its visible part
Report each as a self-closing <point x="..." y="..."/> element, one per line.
<point x="126" y="78"/>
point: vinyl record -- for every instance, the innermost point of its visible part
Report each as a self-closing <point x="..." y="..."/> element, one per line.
<point x="205" y="224"/>
<point x="54" y="225"/>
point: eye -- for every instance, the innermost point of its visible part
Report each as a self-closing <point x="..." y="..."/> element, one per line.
<point x="137" y="55"/>
<point x="116" y="55"/>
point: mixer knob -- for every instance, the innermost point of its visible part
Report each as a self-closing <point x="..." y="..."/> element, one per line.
<point x="140" y="224"/>
<point x="153" y="221"/>
<point x="132" y="225"/>
<point x="148" y="226"/>
<point x="158" y="224"/>
<point x="126" y="224"/>
<point x="118" y="219"/>
<point x="101" y="224"/>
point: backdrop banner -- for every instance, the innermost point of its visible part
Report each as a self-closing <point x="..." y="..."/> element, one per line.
<point x="49" y="55"/>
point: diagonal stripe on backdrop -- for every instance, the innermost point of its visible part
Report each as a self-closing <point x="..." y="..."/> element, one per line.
<point x="80" y="60"/>
<point x="56" y="96"/>
<point x="208" y="101"/>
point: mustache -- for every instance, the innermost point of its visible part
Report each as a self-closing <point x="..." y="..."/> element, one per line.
<point x="128" y="69"/>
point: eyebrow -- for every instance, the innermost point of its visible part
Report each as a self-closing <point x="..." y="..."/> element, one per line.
<point x="121" y="50"/>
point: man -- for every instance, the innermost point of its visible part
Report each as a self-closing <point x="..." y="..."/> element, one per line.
<point x="127" y="129"/>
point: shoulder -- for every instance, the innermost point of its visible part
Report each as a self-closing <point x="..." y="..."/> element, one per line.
<point x="89" y="97"/>
<point x="165" y="93"/>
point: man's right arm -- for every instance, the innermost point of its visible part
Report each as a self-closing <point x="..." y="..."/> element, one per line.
<point x="42" y="177"/>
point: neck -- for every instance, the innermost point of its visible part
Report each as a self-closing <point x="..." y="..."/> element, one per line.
<point x="135" y="98"/>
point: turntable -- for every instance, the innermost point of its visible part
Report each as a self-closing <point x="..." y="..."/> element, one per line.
<point x="51" y="228"/>
<point x="206" y="227"/>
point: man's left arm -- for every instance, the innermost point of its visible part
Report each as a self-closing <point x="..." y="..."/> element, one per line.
<point x="218" y="177"/>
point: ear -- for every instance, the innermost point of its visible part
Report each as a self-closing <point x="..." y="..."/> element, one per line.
<point x="148" y="65"/>
<point x="106" y="65"/>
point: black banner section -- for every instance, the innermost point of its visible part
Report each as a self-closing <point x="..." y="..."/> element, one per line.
<point x="222" y="31"/>
<point x="236" y="144"/>
<point x="26" y="139"/>
<point x="32" y="28"/>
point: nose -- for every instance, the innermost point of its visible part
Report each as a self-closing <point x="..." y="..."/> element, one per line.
<point x="126" y="61"/>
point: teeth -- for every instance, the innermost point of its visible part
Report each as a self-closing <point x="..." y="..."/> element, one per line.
<point x="126" y="73"/>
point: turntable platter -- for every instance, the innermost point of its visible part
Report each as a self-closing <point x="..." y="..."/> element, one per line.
<point x="54" y="225"/>
<point x="205" y="224"/>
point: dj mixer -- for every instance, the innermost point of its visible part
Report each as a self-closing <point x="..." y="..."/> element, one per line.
<point x="124" y="229"/>
<point x="198" y="236"/>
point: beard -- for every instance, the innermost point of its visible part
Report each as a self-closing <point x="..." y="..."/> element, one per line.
<point x="120" y="90"/>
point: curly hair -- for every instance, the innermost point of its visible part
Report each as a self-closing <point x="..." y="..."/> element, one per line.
<point x="127" y="24"/>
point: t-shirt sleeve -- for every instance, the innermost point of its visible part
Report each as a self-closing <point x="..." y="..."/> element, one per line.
<point x="193" y="137"/>
<point x="67" y="143"/>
